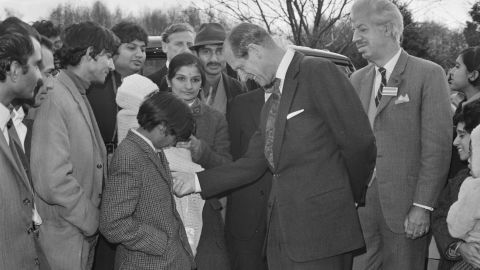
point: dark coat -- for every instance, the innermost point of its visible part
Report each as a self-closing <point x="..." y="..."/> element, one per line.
<point x="323" y="158"/>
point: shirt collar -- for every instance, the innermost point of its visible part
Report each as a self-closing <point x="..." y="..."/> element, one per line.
<point x="145" y="139"/>
<point x="80" y="83"/>
<point x="4" y="116"/>
<point x="284" y="64"/>
<point x="390" y="65"/>
<point x="18" y="116"/>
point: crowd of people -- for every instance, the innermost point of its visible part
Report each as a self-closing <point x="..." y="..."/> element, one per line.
<point x="186" y="168"/>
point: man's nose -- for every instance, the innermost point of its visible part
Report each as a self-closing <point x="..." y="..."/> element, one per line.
<point x="356" y="36"/>
<point x="111" y="65"/>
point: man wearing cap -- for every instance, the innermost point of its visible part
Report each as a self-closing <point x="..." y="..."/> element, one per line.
<point x="177" y="38"/>
<point x="219" y="89"/>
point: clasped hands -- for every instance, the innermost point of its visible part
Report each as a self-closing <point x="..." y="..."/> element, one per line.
<point x="183" y="183"/>
<point x="417" y="222"/>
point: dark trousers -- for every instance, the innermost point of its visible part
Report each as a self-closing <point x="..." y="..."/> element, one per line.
<point x="279" y="259"/>
<point x="104" y="255"/>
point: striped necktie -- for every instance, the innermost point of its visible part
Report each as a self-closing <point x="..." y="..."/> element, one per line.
<point x="272" y="115"/>
<point x="383" y="83"/>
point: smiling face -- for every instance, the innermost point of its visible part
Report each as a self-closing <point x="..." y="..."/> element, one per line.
<point x="462" y="142"/>
<point x="186" y="83"/>
<point x="250" y="67"/>
<point x="100" y="66"/>
<point x="130" y="57"/>
<point x="458" y="76"/>
<point x="370" y="39"/>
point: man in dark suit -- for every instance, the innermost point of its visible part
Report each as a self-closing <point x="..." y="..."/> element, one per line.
<point x="138" y="209"/>
<point x="219" y="88"/>
<point x="246" y="218"/>
<point x="177" y="38"/>
<point x="407" y="102"/>
<point x="315" y="139"/>
<point x="19" y="75"/>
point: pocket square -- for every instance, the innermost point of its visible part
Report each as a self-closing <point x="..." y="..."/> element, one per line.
<point x="292" y="114"/>
<point x="402" y="99"/>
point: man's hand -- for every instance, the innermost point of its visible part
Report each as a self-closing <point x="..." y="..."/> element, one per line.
<point x="470" y="253"/>
<point x="195" y="147"/>
<point x="183" y="183"/>
<point x="417" y="222"/>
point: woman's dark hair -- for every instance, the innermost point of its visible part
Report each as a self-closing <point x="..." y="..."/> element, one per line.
<point x="471" y="115"/>
<point x="182" y="60"/>
<point x="164" y="108"/>
<point x="77" y="38"/>
<point x="471" y="59"/>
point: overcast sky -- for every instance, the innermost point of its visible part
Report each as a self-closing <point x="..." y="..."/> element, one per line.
<point x="452" y="13"/>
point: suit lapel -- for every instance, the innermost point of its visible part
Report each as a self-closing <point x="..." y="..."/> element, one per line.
<point x="366" y="87"/>
<point x="288" y="92"/>
<point x="77" y="97"/>
<point x="11" y="154"/>
<point x="394" y="80"/>
<point x="152" y="155"/>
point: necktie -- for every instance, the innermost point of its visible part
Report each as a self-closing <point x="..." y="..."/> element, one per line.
<point x="383" y="83"/>
<point x="272" y="115"/>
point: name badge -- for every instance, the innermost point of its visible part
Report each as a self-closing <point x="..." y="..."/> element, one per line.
<point x="390" y="91"/>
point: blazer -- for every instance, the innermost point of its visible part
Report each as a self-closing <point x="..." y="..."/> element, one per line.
<point x="17" y="246"/>
<point x="212" y="130"/>
<point x="138" y="211"/>
<point x="413" y="138"/>
<point x="323" y="158"/>
<point x="246" y="206"/>
<point x="67" y="164"/>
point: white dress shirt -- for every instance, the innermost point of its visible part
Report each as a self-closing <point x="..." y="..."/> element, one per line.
<point x="4" y="118"/>
<point x="20" y="128"/>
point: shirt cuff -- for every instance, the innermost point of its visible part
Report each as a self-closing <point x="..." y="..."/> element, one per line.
<point x="423" y="206"/>
<point x="197" y="185"/>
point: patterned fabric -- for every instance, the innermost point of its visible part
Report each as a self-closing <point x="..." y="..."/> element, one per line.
<point x="272" y="115"/>
<point x="378" y="97"/>
<point x="463" y="265"/>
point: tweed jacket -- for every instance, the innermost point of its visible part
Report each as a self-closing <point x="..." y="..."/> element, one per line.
<point x="138" y="210"/>
<point x="212" y="130"/>
<point x="67" y="163"/>
<point x="413" y="135"/>
<point x="323" y="157"/>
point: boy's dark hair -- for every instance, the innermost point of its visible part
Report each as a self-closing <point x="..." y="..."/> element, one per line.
<point x="77" y="38"/>
<point x="130" y="31"/>
<point x="471" y="115"/>
<point x="14" y="47"/>
<point x="47" y="28"/>
<point x="164" y="108"/>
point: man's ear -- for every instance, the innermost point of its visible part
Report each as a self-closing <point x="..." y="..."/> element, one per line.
<point x="164" y="47"/>
<point x="15" y="70"/>
<point x="473" y="76"/>
<point x="88" y="53"/>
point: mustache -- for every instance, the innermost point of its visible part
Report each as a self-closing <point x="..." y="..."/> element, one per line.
<point x="213" y="64"/>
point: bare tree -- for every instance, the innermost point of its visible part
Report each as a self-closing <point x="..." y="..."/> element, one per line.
<point x="309" y="22"/>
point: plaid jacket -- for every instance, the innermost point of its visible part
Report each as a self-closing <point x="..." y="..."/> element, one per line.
<point x="138" y="210"/>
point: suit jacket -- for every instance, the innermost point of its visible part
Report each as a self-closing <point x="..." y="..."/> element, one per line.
<point x="413" y="138"/>
<point x="159" y="78"/>
<point x="138" y="211"/>
<point x="212" y="130"/>
<point x="323" y="157"/>
<point x="232" y="88"/>
<point x="17" y="246"/>
<point x="67" y="158"/>
<point x="246" y="206"/>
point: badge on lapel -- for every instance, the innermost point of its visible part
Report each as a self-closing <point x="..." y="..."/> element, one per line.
<point x="390" y="91"/>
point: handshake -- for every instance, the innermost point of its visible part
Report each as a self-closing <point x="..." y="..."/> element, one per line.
<point x="184" y="183"/>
